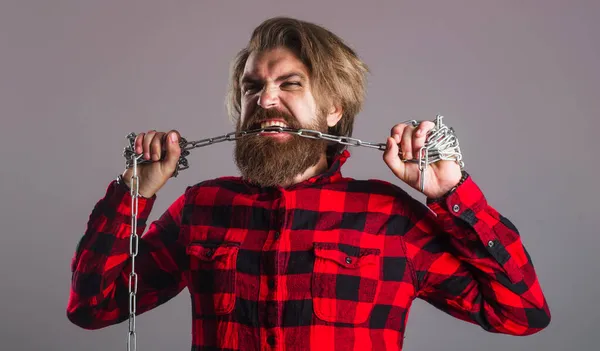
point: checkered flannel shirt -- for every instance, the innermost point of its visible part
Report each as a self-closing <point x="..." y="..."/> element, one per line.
<point x="331" y="263"/>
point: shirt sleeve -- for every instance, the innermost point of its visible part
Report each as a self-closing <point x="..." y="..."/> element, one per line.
<point x="101" y="265"/>
<point x="469" y="261"/>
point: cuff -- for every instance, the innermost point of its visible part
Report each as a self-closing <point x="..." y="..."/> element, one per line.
<point x="465" y="214"/>
<point x="463" y="202"/>
<point x="118" y="197"/>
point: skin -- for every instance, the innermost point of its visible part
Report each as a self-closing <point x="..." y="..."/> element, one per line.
<point x="277" y="79"/>
<point x="440" y="176"/>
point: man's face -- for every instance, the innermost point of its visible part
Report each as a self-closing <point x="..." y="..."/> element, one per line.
<point x="276" y="90"/>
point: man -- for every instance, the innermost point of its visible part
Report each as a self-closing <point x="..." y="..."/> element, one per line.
<point x="292" y="255"/>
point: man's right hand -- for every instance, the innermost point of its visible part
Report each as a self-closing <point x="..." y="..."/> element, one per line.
<point x="160" y="147"/>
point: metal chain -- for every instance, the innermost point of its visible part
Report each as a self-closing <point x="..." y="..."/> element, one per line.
<point x="133" y="251"/>
<point x="440" y="144"/>
<point x="186" y="146"/>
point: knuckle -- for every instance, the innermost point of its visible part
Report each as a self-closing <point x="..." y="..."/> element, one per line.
<point x="397" y="128"/>
<point x="428" y="125"/>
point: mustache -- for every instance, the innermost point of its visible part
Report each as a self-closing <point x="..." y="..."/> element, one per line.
<point x="262" y="114"/>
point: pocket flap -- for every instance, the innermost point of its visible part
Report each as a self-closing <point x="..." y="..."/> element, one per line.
<point x="362" y="257"/>
<point x="211" y="251"/>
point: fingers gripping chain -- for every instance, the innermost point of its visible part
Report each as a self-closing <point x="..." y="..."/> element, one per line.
<point x="129" y="154"/>
<point x="440" y="144"/>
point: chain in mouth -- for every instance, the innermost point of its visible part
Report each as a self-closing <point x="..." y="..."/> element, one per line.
<point x="269" y="123"/>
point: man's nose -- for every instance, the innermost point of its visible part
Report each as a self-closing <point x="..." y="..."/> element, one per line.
<point x="268" y="97"/>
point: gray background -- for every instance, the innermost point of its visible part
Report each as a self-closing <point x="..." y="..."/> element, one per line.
<point x="518" y="80"/>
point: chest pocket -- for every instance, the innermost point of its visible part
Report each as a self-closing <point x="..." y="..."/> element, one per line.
<point x="213" y="276"/>
<point x="344" y="286"/>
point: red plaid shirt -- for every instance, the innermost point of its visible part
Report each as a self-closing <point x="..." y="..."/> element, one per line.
<point x="331" y="263"/>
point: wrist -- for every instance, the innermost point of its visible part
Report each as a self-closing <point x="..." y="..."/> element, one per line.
<point x="444" y="196"/>
<point x="126" y="183"/>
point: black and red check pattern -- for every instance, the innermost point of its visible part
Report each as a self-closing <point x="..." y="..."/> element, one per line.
<point x="332" y="263"/>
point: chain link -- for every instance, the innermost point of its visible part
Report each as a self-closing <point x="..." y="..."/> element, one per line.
<point x="133" y="251"/>
<point x="186" y="146"/>
<point x="440" y="144"/>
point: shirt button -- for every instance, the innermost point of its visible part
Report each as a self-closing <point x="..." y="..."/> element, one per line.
<point x="348" y="260"/>
<point x="277" y="235"/>
<point x="490" y="243"/>
<point x="271" y="340"/>
<point x="210" y="252"/>
<point x="456" y="208"/>
<point x="271" y="283"/>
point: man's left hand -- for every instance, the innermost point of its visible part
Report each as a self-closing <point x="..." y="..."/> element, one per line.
<point x="440" y="176"/>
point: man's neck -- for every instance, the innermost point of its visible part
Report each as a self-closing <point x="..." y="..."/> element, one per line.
<point x="320" y="167"/>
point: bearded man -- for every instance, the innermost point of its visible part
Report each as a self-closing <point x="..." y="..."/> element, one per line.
<point x="291" y="254"/>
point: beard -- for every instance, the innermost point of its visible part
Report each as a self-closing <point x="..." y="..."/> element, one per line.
<point x="267" y="161"/>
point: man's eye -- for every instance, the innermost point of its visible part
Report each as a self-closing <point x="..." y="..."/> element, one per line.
<point x="249" y="89"/>
<point x="293" y="84"/>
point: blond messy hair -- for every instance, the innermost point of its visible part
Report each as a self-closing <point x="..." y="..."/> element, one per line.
<point x="337" y="75"/>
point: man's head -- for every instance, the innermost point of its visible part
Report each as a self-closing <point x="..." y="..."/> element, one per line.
<point x="300" y="75"/>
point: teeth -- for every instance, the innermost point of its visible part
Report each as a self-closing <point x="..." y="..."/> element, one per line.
<point x="273" y="124"/>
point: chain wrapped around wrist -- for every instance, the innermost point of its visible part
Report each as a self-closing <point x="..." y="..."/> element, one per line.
<point x="441" y="143"/>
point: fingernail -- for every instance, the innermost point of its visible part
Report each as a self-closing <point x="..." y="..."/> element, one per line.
<point x="173" y="137"/>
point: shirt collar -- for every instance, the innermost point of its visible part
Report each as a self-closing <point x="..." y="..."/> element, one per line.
<point x="331" y="175"/>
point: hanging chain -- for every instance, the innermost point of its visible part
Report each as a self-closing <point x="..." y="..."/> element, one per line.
<point x="440" y="144"/>
<point x="133" y="251"/>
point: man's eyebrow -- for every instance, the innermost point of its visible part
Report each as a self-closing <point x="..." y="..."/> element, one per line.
<point x="253" y="79"/>
<point x="291" y="75"/>
<point x="249" y="79"/>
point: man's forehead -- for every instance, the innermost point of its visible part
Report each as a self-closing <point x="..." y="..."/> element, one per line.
<point x="272" y="64"/>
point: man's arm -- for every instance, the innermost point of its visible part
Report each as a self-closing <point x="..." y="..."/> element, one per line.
<point x="100" y="267"/>
<point x="469" y="261"/>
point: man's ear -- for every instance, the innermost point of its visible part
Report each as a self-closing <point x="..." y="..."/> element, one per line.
<point x="334" y="115"/>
